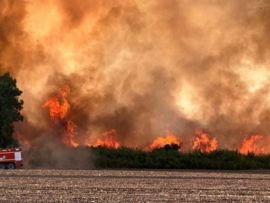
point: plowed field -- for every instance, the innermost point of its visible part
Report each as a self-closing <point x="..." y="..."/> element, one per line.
<point x="133" y="186"/>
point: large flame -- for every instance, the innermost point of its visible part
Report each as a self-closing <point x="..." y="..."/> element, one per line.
<point x="108" y="140"/>
<point x="59" y="107"/>
<point x="68" y="139"/>
<point x="252" y="145"/>
<point x="203" y="143"/>
<point x="162" y="141"/>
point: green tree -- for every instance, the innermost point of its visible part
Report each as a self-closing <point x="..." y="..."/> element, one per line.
<point x="10" y="107"/>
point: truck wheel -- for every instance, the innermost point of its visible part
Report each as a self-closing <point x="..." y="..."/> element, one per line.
<point x="2" y="166"/>
<point x="11" y="166"/>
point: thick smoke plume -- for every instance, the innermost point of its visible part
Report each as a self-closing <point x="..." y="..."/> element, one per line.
<point x="141" y="67"/>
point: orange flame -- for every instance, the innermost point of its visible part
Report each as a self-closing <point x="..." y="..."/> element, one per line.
<point x="251" y="145"/>
<point x="109" y="140"/>
<point x="68" y="139"/>
<point x="22" y="141"/>
<point x="162" y="141"/>
<point x="203" y="143"/>
<point x="58" y="111"/>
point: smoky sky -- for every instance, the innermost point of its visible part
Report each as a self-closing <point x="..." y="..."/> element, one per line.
<point x="141" y="67"/>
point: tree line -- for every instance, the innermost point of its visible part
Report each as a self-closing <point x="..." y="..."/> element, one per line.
<point x="169" y="157"/>
<point x="10" y="110"/>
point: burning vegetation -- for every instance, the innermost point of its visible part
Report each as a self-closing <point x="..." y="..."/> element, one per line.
<point x="123" y="73"/>
<point x="107" y="140"/>
<point x="163" y="141"/>
<point x="253" y="144"/>
<point x="203" y="143"/>
<point x="58" y="108"/>
<point x="58" y="111"/>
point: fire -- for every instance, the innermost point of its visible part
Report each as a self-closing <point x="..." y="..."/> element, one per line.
<point x="68" y="139"/>
<point x="251" y="145"/>
<point x="108" y="141"/>
<point x="59" y="107"/>
<point x="162" y="141"/>
<point x="23" y="141"/>
<point x="203" y="143"/>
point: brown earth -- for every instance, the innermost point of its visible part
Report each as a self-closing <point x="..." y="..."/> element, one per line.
<point x="133" y="186"/>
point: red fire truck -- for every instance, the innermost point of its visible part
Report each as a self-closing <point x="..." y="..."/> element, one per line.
<point x="10" y="158"/>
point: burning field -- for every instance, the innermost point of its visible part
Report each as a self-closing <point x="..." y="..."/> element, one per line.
<point x="140" y="74"/>
<point x="132" y="186"/>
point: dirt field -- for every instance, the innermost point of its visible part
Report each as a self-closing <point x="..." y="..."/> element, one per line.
<point x="132" y="186"/>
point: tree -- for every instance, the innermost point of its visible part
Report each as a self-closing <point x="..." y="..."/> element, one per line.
<point x="10" y="107"/>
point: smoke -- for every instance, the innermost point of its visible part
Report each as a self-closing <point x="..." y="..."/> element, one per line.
<point x="141" y="67"/>
<point x="48" y="153"/>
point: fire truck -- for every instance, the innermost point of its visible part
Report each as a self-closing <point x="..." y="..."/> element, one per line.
<point x="10" y="158"/>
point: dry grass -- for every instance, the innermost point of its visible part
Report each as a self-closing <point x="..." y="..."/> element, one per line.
<point x="132" y="186"/>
